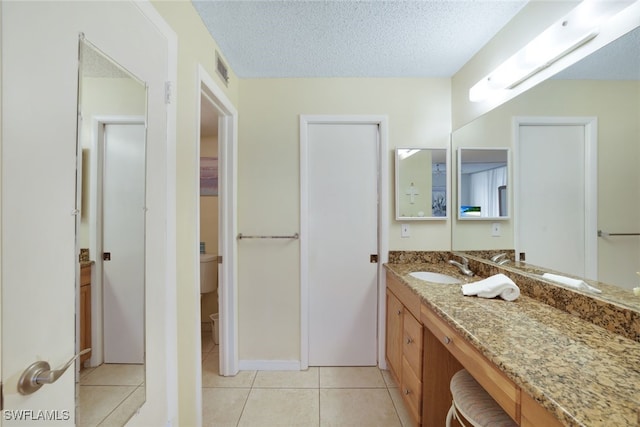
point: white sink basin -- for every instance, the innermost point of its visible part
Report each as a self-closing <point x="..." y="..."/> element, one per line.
<point x="430" y="276"/>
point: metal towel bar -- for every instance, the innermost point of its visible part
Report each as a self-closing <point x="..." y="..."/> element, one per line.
<point x="607" y="234"/>
<point x="242" y="236"/>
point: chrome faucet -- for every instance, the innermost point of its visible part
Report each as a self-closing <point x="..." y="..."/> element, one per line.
<point x="464" y="267"/>
<point x="499" y="257"/>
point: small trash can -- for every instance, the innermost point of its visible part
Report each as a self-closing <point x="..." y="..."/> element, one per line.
<point x="215" y="328"/>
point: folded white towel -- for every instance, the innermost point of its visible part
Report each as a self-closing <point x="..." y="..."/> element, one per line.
<point x="491" y="287"/>
<point x="573" y="283"/>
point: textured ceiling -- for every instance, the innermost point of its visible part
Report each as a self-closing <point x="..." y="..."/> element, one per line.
<point x="428" y="38"/>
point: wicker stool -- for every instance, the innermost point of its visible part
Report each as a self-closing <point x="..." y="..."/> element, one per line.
<point x="474" y="404"/>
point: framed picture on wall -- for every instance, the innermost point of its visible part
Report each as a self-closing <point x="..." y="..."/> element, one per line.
<point x="208" y="176"/>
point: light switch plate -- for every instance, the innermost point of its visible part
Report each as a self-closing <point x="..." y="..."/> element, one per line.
<point x="495" y="229"/>
<point x="404" y="230"/>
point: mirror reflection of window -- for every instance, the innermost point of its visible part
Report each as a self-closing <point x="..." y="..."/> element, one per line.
<point x="483" y="181"/>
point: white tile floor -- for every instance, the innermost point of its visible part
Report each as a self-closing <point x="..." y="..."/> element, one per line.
<point x="109" y="394"/>
<point x="331" y="396"/>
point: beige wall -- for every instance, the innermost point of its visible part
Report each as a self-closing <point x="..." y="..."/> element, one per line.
<point x="616" y="104"/>
<point x="195" y="46"/>
<point x="268" y="188"/>
<point x="209" y="228"/>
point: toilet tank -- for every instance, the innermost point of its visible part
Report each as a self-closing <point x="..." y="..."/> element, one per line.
<point x="208" y="273"/>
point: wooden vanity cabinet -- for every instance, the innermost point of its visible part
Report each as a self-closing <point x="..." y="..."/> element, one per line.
<point x="423" y="353"/>
<point x="85" y="310"/>
<point x="404" y="344"/>
<point x="493" y="380"/>
<point x="395" y="311"/>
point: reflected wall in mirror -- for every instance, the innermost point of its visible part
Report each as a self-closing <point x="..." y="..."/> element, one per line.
<point x="605" y="86"/>
<point x="421" y="183"/>
<point x="482" y="183"/>
<point x="111" y="191"/>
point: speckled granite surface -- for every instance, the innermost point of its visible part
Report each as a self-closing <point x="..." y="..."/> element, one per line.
<point x="605" y="309"/>
<point x="611" y="294"/>
<point x="584" y="374"/>
<point x="84" y="258"/>
<point x="616" y="309"/>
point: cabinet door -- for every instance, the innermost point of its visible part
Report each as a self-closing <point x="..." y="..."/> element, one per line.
<point x="85" y="320"/>
<point x="394" y="335"/>
<point x="412" y="343"/>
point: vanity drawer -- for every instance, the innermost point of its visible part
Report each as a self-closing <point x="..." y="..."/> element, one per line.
<point x="501" y="388"/>
<point x="406" y="296"/>
<point x="412" y="343"/>
<point x="411" y="391"/>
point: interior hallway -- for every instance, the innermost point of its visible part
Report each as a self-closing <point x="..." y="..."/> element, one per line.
<point x="325" y="396"/>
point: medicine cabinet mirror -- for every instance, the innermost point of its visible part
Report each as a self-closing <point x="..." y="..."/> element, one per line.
<point x="422" y="183"/>
<point x="483" y="183"/>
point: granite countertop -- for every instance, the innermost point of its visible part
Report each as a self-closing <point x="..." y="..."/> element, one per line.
<point x="582" y="373"/>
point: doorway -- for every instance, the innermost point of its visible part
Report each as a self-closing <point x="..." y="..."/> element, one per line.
<point x="556" y="193"/>
<point x="341" y="239"/>
<point x="219" y="107"/>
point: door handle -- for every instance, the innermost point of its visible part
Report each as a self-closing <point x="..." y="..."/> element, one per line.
<point x="40" y="373"/>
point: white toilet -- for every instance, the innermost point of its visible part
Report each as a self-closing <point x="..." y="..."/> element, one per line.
<point x="208" y="273"/>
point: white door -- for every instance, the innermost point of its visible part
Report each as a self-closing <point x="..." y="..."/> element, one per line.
<point x="342" y="234"/>
<point x="123" y="195"/>
<point x="39" y="261"/>
<point x="39" y="105"/>
<point x="551" y="210"/>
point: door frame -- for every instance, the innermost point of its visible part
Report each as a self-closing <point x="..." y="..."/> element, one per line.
<point x="96" y="224"/>
<point x="227" y="228"/>
<point x="383" y="221"/>
<point x="590" y="125"/>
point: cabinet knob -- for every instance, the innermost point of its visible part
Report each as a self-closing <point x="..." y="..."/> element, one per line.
<point x="447" y="340"/>
<point x="407" y="391"/>
<point x="409" y="340"/>
<point x="399" y="312"/>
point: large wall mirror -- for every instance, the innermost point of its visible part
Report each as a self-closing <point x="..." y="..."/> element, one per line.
<point x="482" y="183"/>
<point x="111" y="191"/>
<point x="604" y="86"/>
<point x="422" y="183"/>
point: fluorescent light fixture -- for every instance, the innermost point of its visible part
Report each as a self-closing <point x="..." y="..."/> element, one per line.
<point x="574" y="30"/>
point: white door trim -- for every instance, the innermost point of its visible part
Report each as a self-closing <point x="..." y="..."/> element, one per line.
<point x="590" y="180"/>
<point x="170" y="314"/>
<point x="383" y="220"/>
<point x="228" y="190"/>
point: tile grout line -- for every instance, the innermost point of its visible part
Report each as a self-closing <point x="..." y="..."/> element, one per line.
<point x="319" y="388"/>
<point x="246" y="400"/>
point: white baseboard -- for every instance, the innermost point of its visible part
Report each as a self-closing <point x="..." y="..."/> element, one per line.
<point x="269" y="365"/>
